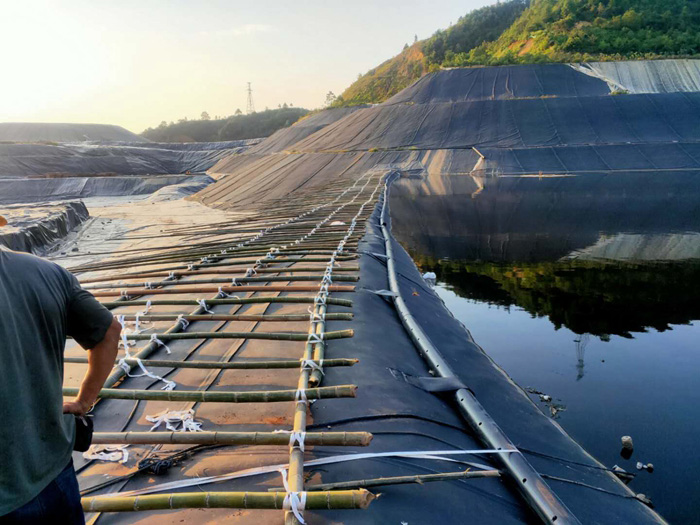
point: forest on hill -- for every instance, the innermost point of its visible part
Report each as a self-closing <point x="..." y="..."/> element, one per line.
<point x="235" y="127"/>
<point x="522" y="32"/>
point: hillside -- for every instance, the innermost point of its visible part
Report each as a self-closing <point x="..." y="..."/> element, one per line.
<point x="481" y="25"/>
<point x="236" y="127"/>
<point x="545" y="31"/>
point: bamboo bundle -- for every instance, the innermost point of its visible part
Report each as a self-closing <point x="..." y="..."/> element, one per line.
<point x="299" y="299"/>
<point x="235" y="365"/>
<point x="227" y="289"/>
<point x="274" y="336"/>
<point x="346" y="439"/>
<point x="265" y="396"/>
<point x="346" y="499"/>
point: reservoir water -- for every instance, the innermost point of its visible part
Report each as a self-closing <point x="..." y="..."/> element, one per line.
<point x="586" y="291"/>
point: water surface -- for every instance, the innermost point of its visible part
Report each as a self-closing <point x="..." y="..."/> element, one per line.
<point x="586" y="291"/>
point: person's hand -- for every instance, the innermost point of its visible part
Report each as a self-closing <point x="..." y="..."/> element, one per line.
<point x="79" y="408"/>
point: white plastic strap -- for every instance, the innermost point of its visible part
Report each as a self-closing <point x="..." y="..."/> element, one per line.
<point x="300" y="396"/>
<point x="203" y="304"/>
<point x="314" y="316"/>
<point x="315" y="339"/>
<point x="184" y="322"/>
<point x="154" y="339"/>
<point x="148" y="285"/>
<point x="308" y="364"/>
<point x="148" y="307"/>
<point x="222" y="293"/>
<point x="294" y="501"/>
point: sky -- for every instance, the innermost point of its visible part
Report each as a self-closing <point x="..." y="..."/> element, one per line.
<point x="135" y="63"/>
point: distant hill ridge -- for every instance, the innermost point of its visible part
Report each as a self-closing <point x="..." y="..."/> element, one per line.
<point x="521" y="32"/>
<point x="65" y="132"/>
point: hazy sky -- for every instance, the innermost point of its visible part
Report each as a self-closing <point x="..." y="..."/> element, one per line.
<point x="138" y="62"/>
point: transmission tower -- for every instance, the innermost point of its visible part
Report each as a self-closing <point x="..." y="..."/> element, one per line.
<point x="250" y="107"/>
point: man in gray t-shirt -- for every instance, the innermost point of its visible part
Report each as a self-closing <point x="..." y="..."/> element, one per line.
<point x="40" y="304"/>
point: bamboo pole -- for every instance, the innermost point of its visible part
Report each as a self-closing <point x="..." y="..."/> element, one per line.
<point x="400" y="480"/>
<point x="235" y="365"/>
<point x="204" y="271"/>
<point x="295" y="477"/>
<point x="265" y="396"/>
<point x="274" y="336"/>
<point x="269" y="318"/>
<point x="347" y="499"/>
<point x="214" y="289"/>
<point x="284" y="278"/>
<point x="299" y="299"/>
<point x="345" y="439"/>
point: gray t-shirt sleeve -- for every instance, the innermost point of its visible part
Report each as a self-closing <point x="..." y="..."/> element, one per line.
<point x="87" y="320"/>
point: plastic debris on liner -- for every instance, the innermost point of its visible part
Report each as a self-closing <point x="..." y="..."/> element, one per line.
<point x="175" y="421"/>
<point x="114" y="453"/>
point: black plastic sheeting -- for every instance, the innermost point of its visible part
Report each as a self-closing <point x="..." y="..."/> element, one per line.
<point x="622" y="119"/>
<point x="123" y="158"/>
<point x="62" y="188"/>
<point x="484" y="83"/>
<point x="282" y="139"/>
<point x="34" y="228"/>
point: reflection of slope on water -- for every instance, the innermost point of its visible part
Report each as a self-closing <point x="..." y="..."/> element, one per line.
<point x="636" y="247"/>
<point x="649" y="216"/>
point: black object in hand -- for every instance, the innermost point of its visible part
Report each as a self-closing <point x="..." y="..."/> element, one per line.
<point x="83" y="433"/>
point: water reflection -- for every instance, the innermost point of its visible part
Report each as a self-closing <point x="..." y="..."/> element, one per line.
<point x="621" y="216"/>
<point x="587" y="297"/>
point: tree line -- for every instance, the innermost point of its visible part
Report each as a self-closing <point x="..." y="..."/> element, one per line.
<point x="234" y="127"/>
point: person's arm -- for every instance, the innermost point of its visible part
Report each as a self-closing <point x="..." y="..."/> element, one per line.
<point x="100" y="362"/>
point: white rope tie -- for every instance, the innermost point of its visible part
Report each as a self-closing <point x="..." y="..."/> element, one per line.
<point x="203" y="304"/>
<point x="148" y="307"/>
<point x="222" y="293"/>
<point x="184" y="322"/>
<point x="169" y="385"/>
<point x="137" y="324"/>
<point x="308" y="364"/>
<point x="171" y="275"/>
<point x="148" y="285"/>
<point x="300" y="396"/>
<point x="315" y="339"/>
<point x="294" y="501"/>
<point x="154" y="339"/>
<point x="124" y="342"/>
<point x="314" y="316"/>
